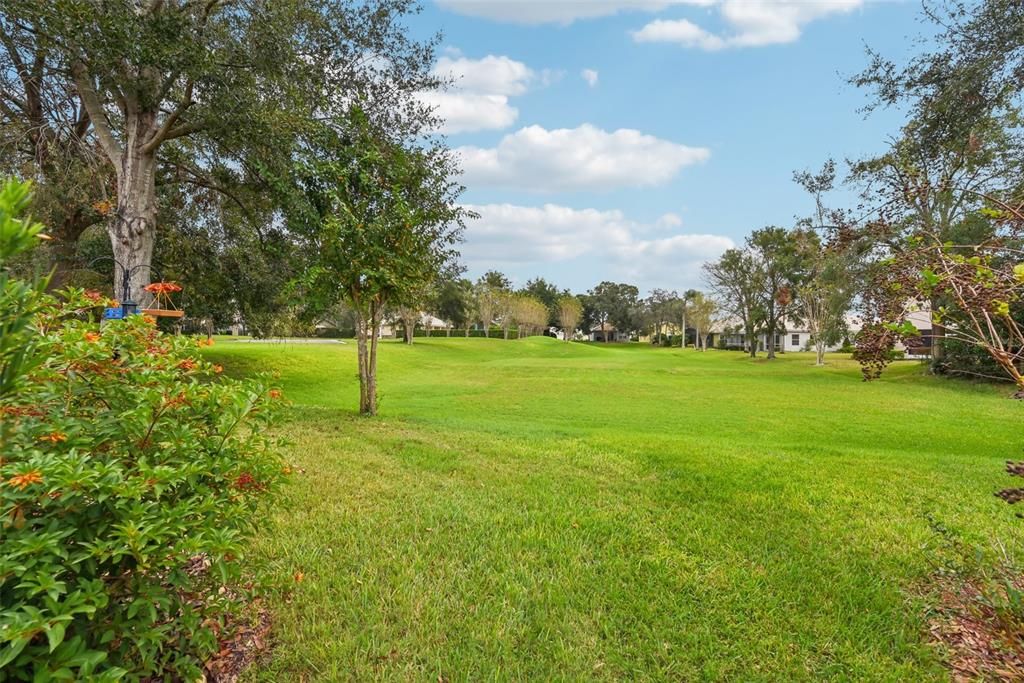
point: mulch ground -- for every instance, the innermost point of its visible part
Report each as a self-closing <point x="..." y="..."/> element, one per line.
<point x="968" y="632"/>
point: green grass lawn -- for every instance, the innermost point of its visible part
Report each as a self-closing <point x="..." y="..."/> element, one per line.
<point x="536" y="510"/>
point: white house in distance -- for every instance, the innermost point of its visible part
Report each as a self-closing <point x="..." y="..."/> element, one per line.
<point x="796" y="337"/>
<point x="609" y="334"/>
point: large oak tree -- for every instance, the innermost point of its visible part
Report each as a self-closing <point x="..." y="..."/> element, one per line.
<point x="174" y="90"/>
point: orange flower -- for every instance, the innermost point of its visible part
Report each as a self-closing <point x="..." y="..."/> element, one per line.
<point x="286" y="470"/>
<point x="204" y="342"/>
<point x="92" y="337"/>
<point x="180" y="399"/>
<point x="94" y="296"/>
<point x="23" y="481"/>
<point x="274" y="393"/>
<point x="246" y="482"/>
<point x="54" y="437"/>
<point x="103" y="207"/>
<point x="162" y="287"/>
<point x="187" y="364"/>
<point x="218" y="369"/>
<point x="299" y="576"/>
<point x="149" y="320"/>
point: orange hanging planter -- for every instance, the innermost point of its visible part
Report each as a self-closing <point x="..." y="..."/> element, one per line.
<point x="164" y="307"/>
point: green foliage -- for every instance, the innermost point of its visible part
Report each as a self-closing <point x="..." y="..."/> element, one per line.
<point x="612" y="303"/>
<point x="453" y="301"/>
<point x="19" y="300"/>
<point x="384" y="219"/>
<point x="129" y="478"/>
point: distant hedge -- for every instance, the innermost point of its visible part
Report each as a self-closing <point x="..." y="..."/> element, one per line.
<point x="441" y="332"/>
<point x="335" y="333"/>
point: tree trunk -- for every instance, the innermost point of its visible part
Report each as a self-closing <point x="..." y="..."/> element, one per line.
<point x="506" y="332"/>
<point x="820" y="348"/>
<point x="938" y="334"/>
<point x="363" y="359"/>
<point x="367" y="353"/>
<point x="769" y="343"/>
<point x="133" y="228"/>
<point x="448" y="330"/>
<point x="371" y="371"/>
<point x="467" y="330"/>
<point x="604" y="335"/>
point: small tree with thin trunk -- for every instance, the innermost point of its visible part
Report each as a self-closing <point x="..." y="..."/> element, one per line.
<point x="831" y="260"/>
<point x="736" y="279"/>
<point x="409" y="315"/>
<point x="701" y="314"/>
<point x="570" y="310"/>
<point x="529" y="313"/>
<point x="506" y="312"/>
<point x="489" y="293"/>
<point x="389" y="224"/>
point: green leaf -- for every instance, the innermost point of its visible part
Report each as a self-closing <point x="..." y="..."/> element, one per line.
<point x="13" y="649"/>
<point x="55" y="634"/>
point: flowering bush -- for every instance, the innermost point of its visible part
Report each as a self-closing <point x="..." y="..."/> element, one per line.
<point x="130" y="474"/>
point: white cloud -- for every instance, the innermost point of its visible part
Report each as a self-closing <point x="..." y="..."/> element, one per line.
<point x="669" y="220"/>
<point x="491" y="75"/>
<point x="463" y="112"/>
<point x="680" y="31"/>
<point x="534" y="158"/>
<point x="607" y="243"/>
<point x="751" y="23"/>
<point x="590" y="76"/>
<point x="479" y="97"/>
<point x="555" y="11"/>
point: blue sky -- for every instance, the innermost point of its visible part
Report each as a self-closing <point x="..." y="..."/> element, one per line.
<point x="632" y="140"/>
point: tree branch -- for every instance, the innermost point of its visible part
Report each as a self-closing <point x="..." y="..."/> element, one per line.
<point x="92" y="105"/>
<point x="167" y="131"/>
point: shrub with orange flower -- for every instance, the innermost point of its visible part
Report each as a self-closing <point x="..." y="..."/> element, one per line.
<point x="23" y="481"/>
<point x="196" y="445"/>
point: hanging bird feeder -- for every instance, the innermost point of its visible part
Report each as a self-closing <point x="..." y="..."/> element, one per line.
<point x="163" y="307"/>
